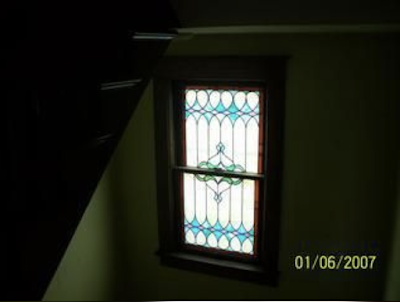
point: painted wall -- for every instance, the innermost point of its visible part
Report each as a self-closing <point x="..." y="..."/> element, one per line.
<point x="87" y="270"/>
<point x="393" y="281"/>
<point x="339" y="186"/>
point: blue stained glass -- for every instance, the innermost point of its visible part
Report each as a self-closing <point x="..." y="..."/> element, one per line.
<point x="196" y="105"/>
<point x="195" y="230"/>
<point x="233" y="117"/>
<point x="230" y="228"/>
<point x="241" y="233"/>
<point x="233" y="111"/>
<point x="218" y="234"/>
<point x="230" y="235"/>
<point x="247" y="109"/>
<point x="207" y="232"/>
<point x="242" y="238"/>
<point x="232" y="108"/>
<point x="195" y="223"/>
<point x="208" y="116"/>
<point x="220" y="108"/>
<point x="218" y="226"/>
<point x="206" y="225"/>
<point x="242" y="230"/>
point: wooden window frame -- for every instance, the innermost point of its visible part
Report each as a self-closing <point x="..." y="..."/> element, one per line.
<point x="170" y="76"/>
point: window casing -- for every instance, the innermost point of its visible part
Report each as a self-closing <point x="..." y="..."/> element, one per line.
<point x="251" y="249"/>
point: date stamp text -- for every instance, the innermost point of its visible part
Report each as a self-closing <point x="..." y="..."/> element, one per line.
<point x="334" y="262"/>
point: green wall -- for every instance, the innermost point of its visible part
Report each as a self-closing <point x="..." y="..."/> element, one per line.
<point x="392" y="287"/>
<point x="339" y="187"/>
<point x="87" y="269"/>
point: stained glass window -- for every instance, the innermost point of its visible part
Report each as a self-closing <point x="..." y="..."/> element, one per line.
<point x="222" y="136"/>
<point x="219" y="138"/>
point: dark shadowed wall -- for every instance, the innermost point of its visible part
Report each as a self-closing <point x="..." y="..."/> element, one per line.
<point x="88" y="271"/>
<point x="392" y="286"/>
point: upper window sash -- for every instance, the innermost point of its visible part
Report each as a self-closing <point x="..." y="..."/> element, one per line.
<point x="220" y="128"/>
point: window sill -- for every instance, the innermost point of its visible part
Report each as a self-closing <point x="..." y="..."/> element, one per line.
<point x="220" y="267"/>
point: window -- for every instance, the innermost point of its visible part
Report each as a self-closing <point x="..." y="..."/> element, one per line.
<point x="219" y="147"/>
<point x="220" y="133"/>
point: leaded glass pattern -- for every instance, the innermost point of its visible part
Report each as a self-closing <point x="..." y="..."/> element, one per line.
<point x="222" y="129"/>
<point x="221" y="134"/>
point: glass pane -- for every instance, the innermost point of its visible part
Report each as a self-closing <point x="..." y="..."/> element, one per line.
<point x="222" y="128"/>
<point x="219" y="212"/>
